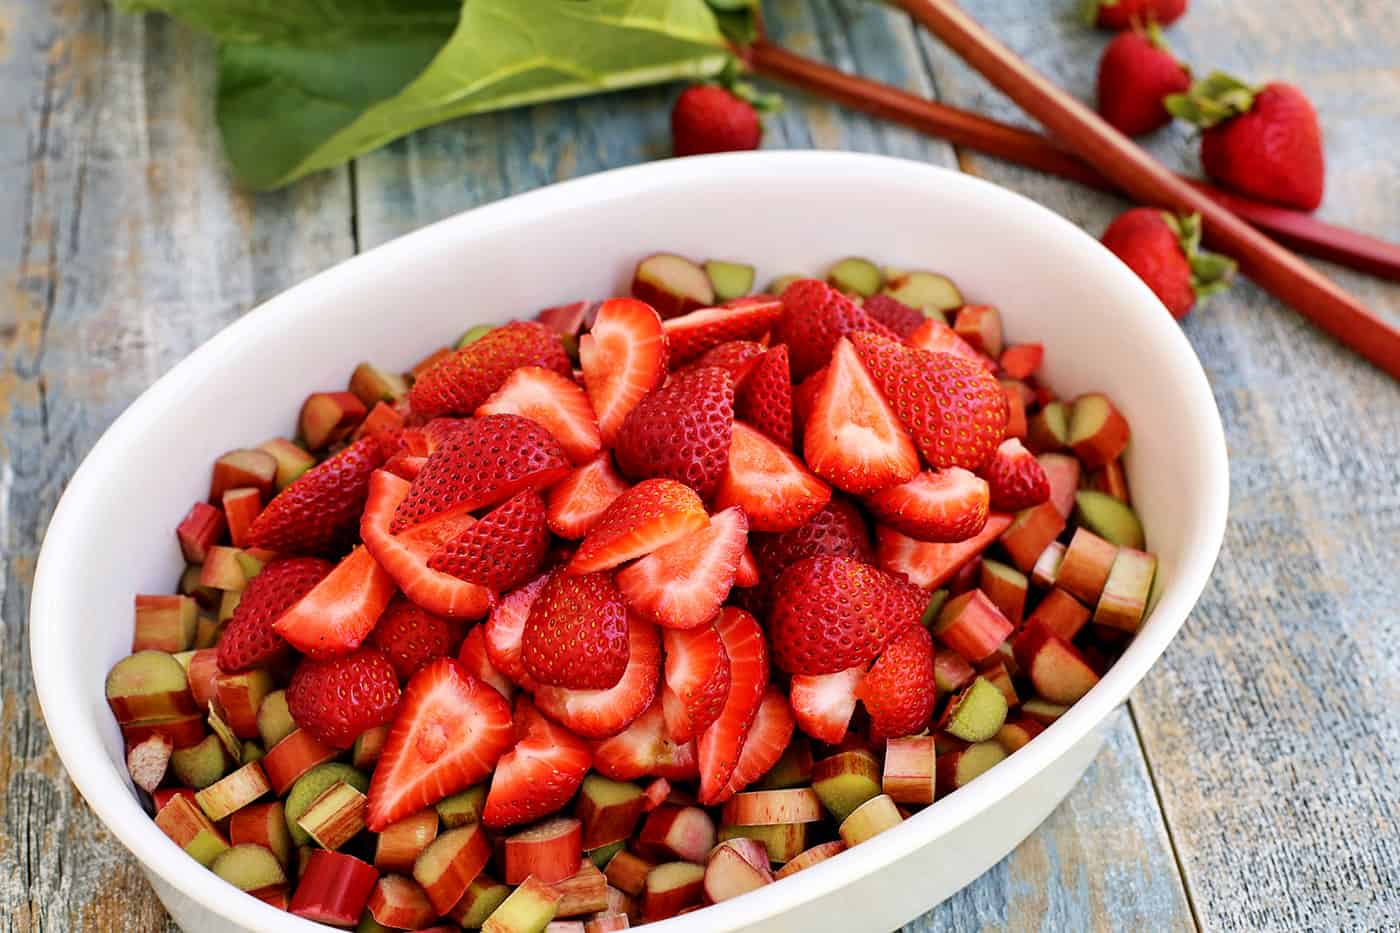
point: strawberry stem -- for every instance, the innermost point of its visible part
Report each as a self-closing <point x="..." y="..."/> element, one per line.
<point x="1212" y="100"/>
<point x="1210" y="272"/>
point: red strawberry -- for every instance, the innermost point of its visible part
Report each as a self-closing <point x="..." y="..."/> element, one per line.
<point x="736" y="356"/>
<point x="249" y="639"/>
<point x="852" y="438"/>
<point x="486" y="461"/>
<point x="815" y="316"/>
<point x="764" y="399"/>
<point x="721" y="743"/>
<point x="577" y="501"/>
<point x="1016" y="479"/>
<point x="436" y="433"/>
<point x="681" y="431"/>
<point x="831" y="613"/>
<point x="692" y="335"/>
<point x="1162" y="249"/>
<point x="835" y="531"/>
<point x="405" y="465"/>
<point x="764" y="743"/>
<point x="697" y="680"/>
<point x="411" y="636"/>
<point x="682" y="584"/>
<point x="824" y="703"/>
<point x="1021" y="360"/>
<point x="450" y="731"/>
<point x="954" y="410"/>
<point x="623" y="357"/>
<point x="643" y="749"/>
<point x="576" y="633"/>
<point x="1124" y="14"/>
<point x="936" y="505"/>
<point x="505" y="629"/>
<point x="502" y="550"/>
<point x="597" y="714"/>
<point x="775" y="489"/>
<point x="475" y="659"/>
<point x="406" y="556"/>
<point x="901" y="319"/>
<point x="539" y="775"/>
<point x="804" y="395"/>
<point x="336" y="614"/>
<point x="556" y="402"/>
<point x="746" y="574"/>
<point x="1264" y="142"/>
<point x="927" y="564"/>
<point x="898" y="690"/>
<point x="1136" y="72"/>
<point x="936" y="337"/>
<point x="337" y="699"/>
<point x="320" y="508"/>
<point x="466" y="378"/>
<point x="650" y="515"/>
<point x="709" y="118"/>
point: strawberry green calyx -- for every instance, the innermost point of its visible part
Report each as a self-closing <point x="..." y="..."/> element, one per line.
<point x="1210" y="272"/>
<point x="1089" y="10"/>
<point x="1212" y="100"/>
<point x="729" y="79"/>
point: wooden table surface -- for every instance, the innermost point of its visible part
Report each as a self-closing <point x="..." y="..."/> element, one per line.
<point x="1253" y="780"/>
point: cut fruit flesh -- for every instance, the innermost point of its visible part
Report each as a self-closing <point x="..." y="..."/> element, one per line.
<point x="671" y="284"/>
<point x="977" y="713"/>
<point x="1098" y="433"/>
<point x="248" y="867"/>
<point x="729" y="279"/>
<point x="871" y="818"/>
<point x="1125" y="595"/>
<point x="671" y="888"/>
<point x="311" y="786"/>
<point x="336" y="615"/>
<point x="676" y="833"/>
<point x="810" y="857"/>
<point x="925" y="290"/>
<point x="1061" y="613"/>
<point x="450" y="863"/>
<point x="549" y="851"/>
<point x="483" y="896"/>
<point x="783" y="841"/>
<point x="910" y="775"/>
<point x="768" y="807"/>
<point x="856" y="276"/>
<point x="1109" y="518"/>
<point x="846" y="780"/>
<point x="972" y="626"/>
<point x="956" y="769"/>
<point x="1085" y="567"/>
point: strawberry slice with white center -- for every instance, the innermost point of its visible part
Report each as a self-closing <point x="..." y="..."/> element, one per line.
<point x="766" y="740"/>
<point x="697" y="681"/>
<point x="775" y="489"/>
<point x="937" y="337"/>
<point x="478" y="663"/>
<point x="623" y="357"/>
<point x="683" y="584"/>
<point x="504" y="632"/>
<point x="852" y="437"/>
<point x="746" y="574"/>
<point x="692" y="335"/>
<point x="405" y="556"/>
<point x="597" y="714"/>
<point x="931" y="564"/>
<point x="337" y="613"/>
<point x="643" y="749"/>
<point x="556" y="402"/>
<point x="576" y="502"/>
<point x="539" y="775"/>
<point x="721" y="743"/>
<point x="823" y="704"/>
<point x="936" y="505"/>
<point x="1018" y="480"/>
<point x="449" y="732"/>
<point x="650" y="515"/>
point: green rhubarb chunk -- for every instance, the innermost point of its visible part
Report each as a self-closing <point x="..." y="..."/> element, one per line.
<point x="202" y="764"/>
<point x="1110" y="519"/>
<point x="978" y="712"/>
<point x="934" y="607"/>
<point x="252" y="751"/>
<point x="794" y="768"/>
<point x="462" y="808"/>
<point x="311" y="785"/>
<point x="846" y="780"/>
<point x="275" y="721"/>
<point x="483" y="896"/>
<point x="856" y="275"/>
<point x="923" y="290"/>
<point x="206" y="847"/>
<point x="232" y="744"/>
<point x="370" y="925"/>
<point x="528" y="909"/>
<point x="784" y="841"/>
<point x="602" y="855"/>
<point x="474" y="334"/>
<point x="228" y="603"/>
<point x="976" y="760"/>
<point x="729" y="279"/>
<point x="780" y="284"/>
<point x="248" y="867"/>
<point x="249" y="564"/>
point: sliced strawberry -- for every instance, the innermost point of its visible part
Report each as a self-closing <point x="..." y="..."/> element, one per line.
<point x="319" y="509"/>
<point x="502" y="550"/>
<point x="898" y="691"/>
<point x="737" y="356"/>
<point x="337" y="613"/>
<point x="405" y="556"/>
<point x="643" y="749"/>
<point x="436" y="433"/>
<point x="681" y="431"/>
<point x="767" y="738"/>
<point x="697" y="681"/>
<point x="1015" y="477"/>
<point x="405" y="464"/>
<point x="928" y="564"/>
<point x="466" y="378"/>
<point x="410" y="636"/>
<point x="814" y="317"/>
<point x="691" y="335"/>
<point x="682" y="584"/>
<point x="249" y="639"/>
<point x="556" y="402"/>
<point x="623" y="358"/>
<point x="576" y="633"/>
<point x="577" y="501"/>
<point x="505" y="628"/>
<point x="650" y="515"/>
<point x="764" y="399"/>
<point x="1020" y="361"/>
<point x="824" y="703"/>
<point x="539" y="775"/>
<point x="937" y="337"/>
<point x="894" y="314"/>
<point x="721" y="743"/>
<point x="852" y="438"/>
<point x="597" y="714"/>
<point x="775" y="489"/>
<point x="936" y="505"/>
<point x="803" y="397"/>
<point x="475" y="659"/>
<point x="746" y="574"/>
<point x="449" y="732"/>
<point x="485" y="461"/>
<point x="336" y="699"/>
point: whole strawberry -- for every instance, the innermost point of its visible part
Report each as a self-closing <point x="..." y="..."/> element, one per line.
<point x="338" y="698"/>
<point x="1164" y="250"/>
<point x="1261" y="141"/>
<point x="1135" y="74"/>
<point x="576" y="633"/>
<point x="1124" y="14"/>
<point x="898" y="690"/>
<point x="681" y="431"/>
<point x="249" y="639"/>
<point x="321" y="507"/>
<point x="410" y="636"/>
<point x="709" y="118"/>
<point x="815" y="316"/>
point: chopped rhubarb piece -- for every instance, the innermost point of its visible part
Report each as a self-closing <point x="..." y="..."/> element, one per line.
<point x="1125" y="595"/>
<point x="1048" y="429"/>
<point x="189" y="828"/>
<point x="251" y="868"/>
<point x="672" y="285"/>
<point x="1098" y="433"/>
<point x="910" y="774"/>
<point x="148" y="685"/>
<point x="769" y="807"/>
<point x="1031" y="532"/>
<point x="148" y="760"/>
<point x="972" y="625"/>
<point x="671" y="888"/>
<point x="608" y="809"/>
<point x="998" y="674"/>
<point x="1015" y="734"/>
<point x="201" y="764"/>
<point x="241" y="506"/>
<point x="1111" y="480"/>
<point x="957" y="768"/>
<point x="980" y="326"/>
<point x="1006" y="587"/>
<point x="783" y="841"/>
<point x="164" y="623"/>
<point x="670" y="833"/>
<point x="1021" y="360"/>
<point x="450" y="863"/>
<point x="233" y="792"/>
<point x="549" y="851"/>
<point x="951" y="672"/>
<point x="335" y="817"/>
<point x="222" y="570"/>
<point x="1061" y="613"/>
<point x="1047" y="565"/>
<point x="463" y="807"/>
<point x="201" y="528"/>
<point x="975" y="714"/>
<point x="256" y="468"/>
<point x="291" y="461"/>
<point x="263" y="824"/>
<point x="1057" y="670"/>
<point x="583" y="892"/>
<point x="869" y="820"/>
<point x="239" y="697"/>
<point x="368" y="746"/>
<point x="729" y="279"/>
<point x="1042" y="711"/>
<point x="628" y="872"/>
<point x="607" y="923"/>
<point x="528" y="909"/>
<point x="930" y="564"/>
<point x="810" y="857"/>
<point x="179" y="731"/>
<point x="327" y="417"/>
<point x="794" y="769"/>
<point x="1016" y="423"/>
<point x="1111" y="519"/>
<point x="163" y="795"/>
<point x="483" y="896"/>
<point x="400" y="844"/>
<point x="856" y="276"/>
<point x="566" y="319"/>
<point x="292" y="757"/>
<point x="1086" y="565"/>
<point x="333" y="888"/>
<point x="846" y="780"/>
<point x="729" y="873"/>
<point x="372" y="385"/>
<point x="400" y="903"/>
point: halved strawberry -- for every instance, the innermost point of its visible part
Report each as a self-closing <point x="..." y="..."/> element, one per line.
<point x="746" y="574"/>
<point x="937" y="337"/>
<point x="249" y="639"/>
<point x="928" y="564"/>
<point x="319" y="509"/>
<point x="405" y="464"/>
<point x="576" y="633"/>
<point x="691" y="335"/>
<point x="539" y="775"/>
<point x="737" y="356"/>
<point x="764" y="743"/>
<point x="643" y="749"/>
<point x="852" y="438"/>
<point x="775" y="489"/>
<point x="804" y="395"/>
<point x="650" y="515"/>
<point x="405" y="556"/>
<point x="814" y="317"/>
<point x="475" y="659"/>
<point x="680" y="431"/>
<point x="1020" y="361"/>
<point x="502" y="550"/>
<point x="485" y="461"/>
<point x="449" y="732"/>
<point x="721" y="743"/>
<point x="682" y="584"/>
<point x="898" y="690"/>
<point x="466" y="378"/>
<point x="576" y="502"/>
<point x="936" y="505"/>
<point x="504" y="629"/>
<point x="623" y="357"/>
<point x="1015" y="477"/>
<point x="337" y="613"/>
<point x="556" y="402"/>
<point x="764" y="399"/>
<point x="697" y="680"/>
<point x="336" y="699"/>
<point x="824" y="703"/>
<point x="894" y="314"/>
<point x="410" y="636"/>
<point x="597" y="714"/>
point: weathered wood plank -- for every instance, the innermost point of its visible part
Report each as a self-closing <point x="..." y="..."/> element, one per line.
<point x="121" y="248"/>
